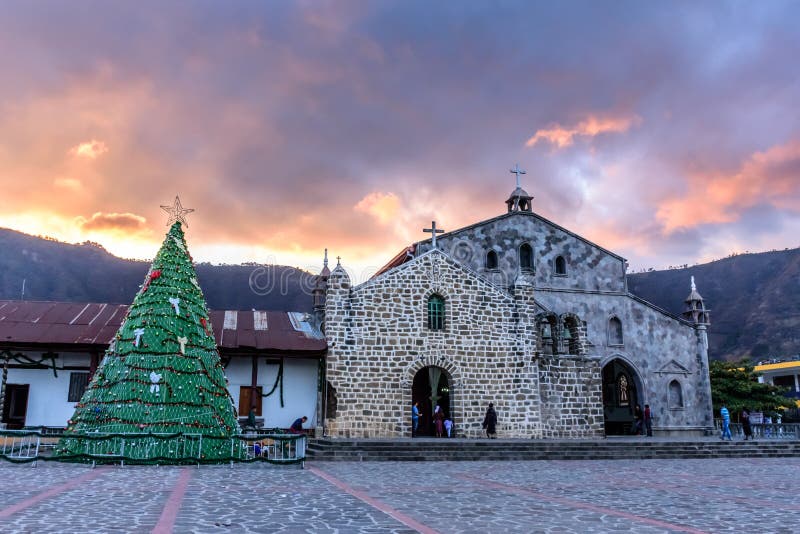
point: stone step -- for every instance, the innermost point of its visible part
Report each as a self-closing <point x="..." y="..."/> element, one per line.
<point x="521" y="450"/>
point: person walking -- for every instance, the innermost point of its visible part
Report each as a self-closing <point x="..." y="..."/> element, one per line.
<point x="490" y="422"/>
<point x="414" y="419"/>
<point x="648" y="420"/>
<point x="746" y="427"/>
<point x="726" y="423"/>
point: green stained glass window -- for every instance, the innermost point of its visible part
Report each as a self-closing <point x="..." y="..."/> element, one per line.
<point x="436" y="313"/>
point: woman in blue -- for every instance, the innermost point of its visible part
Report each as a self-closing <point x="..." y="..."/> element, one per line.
<point x="726" y="423"/>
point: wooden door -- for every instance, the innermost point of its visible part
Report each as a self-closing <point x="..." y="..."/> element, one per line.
<point x="245" y="398"/>
<point x="16" y="405"/>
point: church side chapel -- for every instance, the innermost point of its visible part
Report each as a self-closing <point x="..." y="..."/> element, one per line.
<point x="516" y="311"/>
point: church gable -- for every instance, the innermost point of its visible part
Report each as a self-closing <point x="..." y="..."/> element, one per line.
<point x="498" y="249"/>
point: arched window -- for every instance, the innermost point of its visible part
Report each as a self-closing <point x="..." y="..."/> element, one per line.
<point x="614" y="331"/>
<point x="525" y="256"/>
<point x="561" y="266"/>
<point x="436" y="312"/>
<point x="675" y="394"/>
<point x="491" y="260"/>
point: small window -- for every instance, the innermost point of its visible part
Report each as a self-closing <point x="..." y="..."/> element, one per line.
<point x="436" y="313"/>
<point x="675" y="394"/>
<point x="525" y="256"/>
<point x="77" y="385"/>
<point x="561" y="266"/>
<point x="614" y="331"/>
<point x="491" y="260"/>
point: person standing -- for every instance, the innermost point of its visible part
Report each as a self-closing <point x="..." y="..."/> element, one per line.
<point x="438" y="420"/>
<point x="490" y="422"/>
<point x="648" y="420"/>
<point x="414" y="419"/>
<point x="746" y="427"/>
<point x="637" y="420"/>
<point x="726" y="423"/>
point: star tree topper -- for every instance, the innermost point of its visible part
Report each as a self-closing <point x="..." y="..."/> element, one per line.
<point x="177" y="213"/>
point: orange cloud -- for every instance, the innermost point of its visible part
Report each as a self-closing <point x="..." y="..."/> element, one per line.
<point x="562" y="136"/>
<point x="68" y="183"/>
<point x="90" y="149"/>
<point x="769" y="177"/>
<point x="124" y="222"/>
<point x="383" y="206"/>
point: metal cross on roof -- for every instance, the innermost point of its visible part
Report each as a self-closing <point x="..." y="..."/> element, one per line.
<point x="433" y="230"/>
<point x="177" y="212"/>
<point x="516" y="170"/>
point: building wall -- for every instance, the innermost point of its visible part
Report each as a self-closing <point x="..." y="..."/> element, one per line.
<point x="300" y="384"/>
<point x="658" y="347"/>
<point x="48" y="405"/>
<point x="378" y="340"/>
<point x="589" y="267"/>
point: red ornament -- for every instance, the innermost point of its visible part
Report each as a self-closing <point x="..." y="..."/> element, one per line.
<point x="205" y="325"/>
<point x="153" y="275"/>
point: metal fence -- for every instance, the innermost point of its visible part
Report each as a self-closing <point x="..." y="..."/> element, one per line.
<point x="20" y="446"/>
<point x="24" y="446"/>
<point x="764" y="430"/>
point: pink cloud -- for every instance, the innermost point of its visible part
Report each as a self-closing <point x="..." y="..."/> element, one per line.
<point x="564" y="136"/>
<point x="769" y="177"/>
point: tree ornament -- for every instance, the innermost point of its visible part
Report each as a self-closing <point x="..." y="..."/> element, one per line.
<point x="183" y="340"/>
<point x="176" y="303"/>
<point x="139" y="332"/>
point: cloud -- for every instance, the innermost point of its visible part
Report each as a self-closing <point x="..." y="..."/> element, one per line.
<point x="562" y="136"/>
<point x="771" y="177"/>
<point x="105" y="222"/>
<point x="90" y="149"/>
<point x="383" y="206"/>
<point x="68" y="183"/>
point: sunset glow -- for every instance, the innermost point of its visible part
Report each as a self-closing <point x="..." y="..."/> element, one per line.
<point x="294" y="127"/>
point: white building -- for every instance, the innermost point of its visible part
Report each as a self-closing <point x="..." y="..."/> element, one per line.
<point x="49" y="351"/>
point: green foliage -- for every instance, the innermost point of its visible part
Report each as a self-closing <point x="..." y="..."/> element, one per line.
<point x="736" y="385"/>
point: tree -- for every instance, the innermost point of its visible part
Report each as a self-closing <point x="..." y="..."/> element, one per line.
<point x="736" y="385"/>
<point x="161" y="375"/>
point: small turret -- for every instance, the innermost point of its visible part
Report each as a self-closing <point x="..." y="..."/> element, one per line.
<point x="519" y="200"/>
<point x="321" y="287"/>
<point x="695" y="310"/>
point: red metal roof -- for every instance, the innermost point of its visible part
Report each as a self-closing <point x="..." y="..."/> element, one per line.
<point x="71" y="323"/>
<point x="407" y="254"/>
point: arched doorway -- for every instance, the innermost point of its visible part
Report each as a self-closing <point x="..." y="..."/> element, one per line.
<point x="423" y="393"/>
<point x="621" y="387"/>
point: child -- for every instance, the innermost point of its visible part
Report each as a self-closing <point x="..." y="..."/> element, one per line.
<point x="448" y="424"/>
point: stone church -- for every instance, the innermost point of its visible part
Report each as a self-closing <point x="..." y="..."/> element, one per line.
<point x="516" y="311"/>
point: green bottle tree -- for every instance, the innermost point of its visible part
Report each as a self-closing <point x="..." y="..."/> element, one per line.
<point x="161" y="378"/>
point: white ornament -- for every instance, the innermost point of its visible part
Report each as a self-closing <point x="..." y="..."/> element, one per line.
<point x="175" y="301"/>
<point x="178" y="243"/>
<point x="154" y="378"/>
<point x="194" y="282"/>
<point x="139" y="332"/>
<point x="183" y="340"/>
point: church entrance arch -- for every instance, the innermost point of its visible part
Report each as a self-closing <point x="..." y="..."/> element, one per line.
<point x="431" y="387"/>
<point x="621" y="389"/>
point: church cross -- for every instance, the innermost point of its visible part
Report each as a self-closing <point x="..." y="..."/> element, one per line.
<point x="433" y="230"/>
<point x="516" y="170"/>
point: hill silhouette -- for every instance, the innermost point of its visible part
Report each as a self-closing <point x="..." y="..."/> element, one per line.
<point x="754" y="298"/>
<point x="88" y="273"/>
<point x="754" y="301"/>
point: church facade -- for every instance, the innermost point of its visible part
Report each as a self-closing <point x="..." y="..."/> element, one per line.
<point x="515" y="311"/>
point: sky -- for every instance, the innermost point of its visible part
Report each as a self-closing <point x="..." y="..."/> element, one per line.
<point x="666" y="132"/>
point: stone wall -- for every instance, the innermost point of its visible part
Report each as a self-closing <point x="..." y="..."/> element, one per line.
<point x="589" y="267"/>
<point x="571" y="393"/>
<point x="379" y="339"/>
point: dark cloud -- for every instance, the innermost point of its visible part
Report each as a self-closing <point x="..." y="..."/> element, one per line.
<point x="127" y="222"/>
<point x="276" y="120"/>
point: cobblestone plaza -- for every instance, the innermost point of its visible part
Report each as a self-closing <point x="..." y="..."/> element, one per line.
<point x="713" y="495"/>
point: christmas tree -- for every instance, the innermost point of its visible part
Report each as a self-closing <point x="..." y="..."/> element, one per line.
<point x="160" y="392"/>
